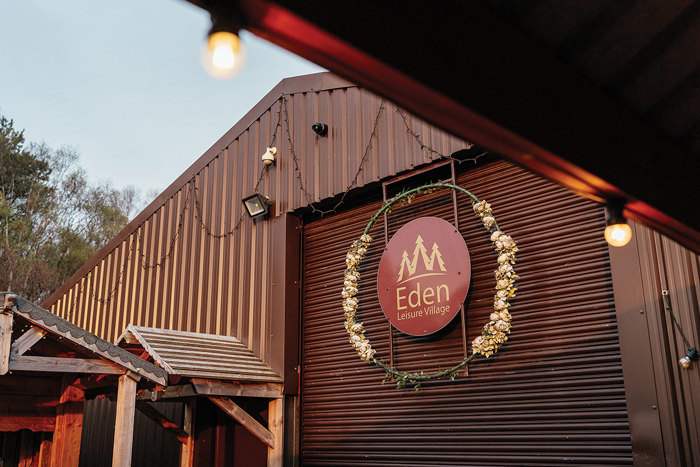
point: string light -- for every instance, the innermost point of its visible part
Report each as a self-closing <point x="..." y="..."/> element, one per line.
<point x="692" y="354"/>
<point x="617" y="231"/>
<point x="223" y="54"/>
<point x="192" y="196"/>
<point x="686" y="361"/>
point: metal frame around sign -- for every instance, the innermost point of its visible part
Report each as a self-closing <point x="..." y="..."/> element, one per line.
<point x="453" y="180"/>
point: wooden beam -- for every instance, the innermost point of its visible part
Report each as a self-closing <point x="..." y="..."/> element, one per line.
<point x="275" y="421"/>
<point x="5" y="340"/>
<point x="210" y="387"/>
<point x="63" y="365"/>
<point x="531" y="107"/>
<point x="242" y="417"/>
<point x="158" y="417"/>
<point x="187" y="449"/>
<point x="27" y="340"/>
<point x="27" y="422"/>
<point x="124" y="425"/>
<point x="69" y="426"/>
<point x="170" y="392"/>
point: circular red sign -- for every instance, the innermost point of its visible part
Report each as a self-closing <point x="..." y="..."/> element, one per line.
<point x="424" y="276"/>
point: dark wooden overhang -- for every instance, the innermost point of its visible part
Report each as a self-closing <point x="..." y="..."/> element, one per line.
<point x="601" y="97"/>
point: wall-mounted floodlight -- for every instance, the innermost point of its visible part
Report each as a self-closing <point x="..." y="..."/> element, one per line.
<point x="257" y="206"/>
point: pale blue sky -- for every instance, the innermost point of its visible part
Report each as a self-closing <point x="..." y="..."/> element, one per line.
<point x="121" y="82"/>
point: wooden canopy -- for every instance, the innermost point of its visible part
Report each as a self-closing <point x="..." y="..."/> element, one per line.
<point x="47" y="364"/>
<point x="219" y="368"/>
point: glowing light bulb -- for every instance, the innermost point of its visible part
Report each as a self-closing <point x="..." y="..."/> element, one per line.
<point x="618" y="234"/>
<point x="685" y="362"/>
<point x="223" y="54"/>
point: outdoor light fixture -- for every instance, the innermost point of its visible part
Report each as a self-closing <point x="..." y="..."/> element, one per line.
<point x="617" y="230"/>
<point x="269" y="157"/>
<point x="320" y="128"/>
<point x="258" y="206"/>
<point x="223" y="54"/>
<point x="692" y="355"/>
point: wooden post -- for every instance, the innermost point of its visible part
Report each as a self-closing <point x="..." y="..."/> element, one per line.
<point x="124" y="426"/>
<point x="45" y="450"/>
<point x="275" y="423"/>
<point x="5" y="340"/>
<point x="187" y="449"/>
<point x="65" y="449"/>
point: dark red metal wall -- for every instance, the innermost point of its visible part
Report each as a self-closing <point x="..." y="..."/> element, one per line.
<point x="553" y="395"/>
<point x="663" y="399"/>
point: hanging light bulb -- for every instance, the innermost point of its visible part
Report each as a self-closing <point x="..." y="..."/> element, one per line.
<point x="618" y="234"/>
<point x="223" y="54"/>
<point x="686" y="361"/>
<point x="617" y="231"/>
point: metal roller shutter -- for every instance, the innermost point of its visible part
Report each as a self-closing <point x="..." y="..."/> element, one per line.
<point x="553" y="395"/>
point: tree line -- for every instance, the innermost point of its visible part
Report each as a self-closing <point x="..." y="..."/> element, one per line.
<point x="52" y="219"/>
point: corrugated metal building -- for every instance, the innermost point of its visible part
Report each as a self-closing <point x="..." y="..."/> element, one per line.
<point x="589" y="375"/>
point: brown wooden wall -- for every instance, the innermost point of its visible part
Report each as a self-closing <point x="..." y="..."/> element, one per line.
<point x="553" y="395"/>
<point x="218" y="285"/>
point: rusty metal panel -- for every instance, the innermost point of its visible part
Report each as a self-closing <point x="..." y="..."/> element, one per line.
<point x="553" y="395"/>
<point x="185" y="263"/>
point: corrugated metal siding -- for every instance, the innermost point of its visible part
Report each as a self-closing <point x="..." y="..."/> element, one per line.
<point x="664" y="264"/>
<point x="153" y="446"/>
<point x="553" y="395"/>
<point x="218" y="286"/>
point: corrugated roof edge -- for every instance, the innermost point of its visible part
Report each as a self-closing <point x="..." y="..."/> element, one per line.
<point x="79" y="336"/>
<point x="306" y="83"/>
<point x="151" y="351"/>
<point x="143" y="340"/>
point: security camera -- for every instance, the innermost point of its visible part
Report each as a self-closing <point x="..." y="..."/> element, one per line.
<point x="320" y="128"/>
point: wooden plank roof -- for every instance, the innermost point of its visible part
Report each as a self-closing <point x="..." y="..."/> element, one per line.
<point x="200" y="355"/>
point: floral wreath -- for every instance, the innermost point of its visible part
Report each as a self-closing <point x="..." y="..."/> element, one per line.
<point x="495" y="332"/>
